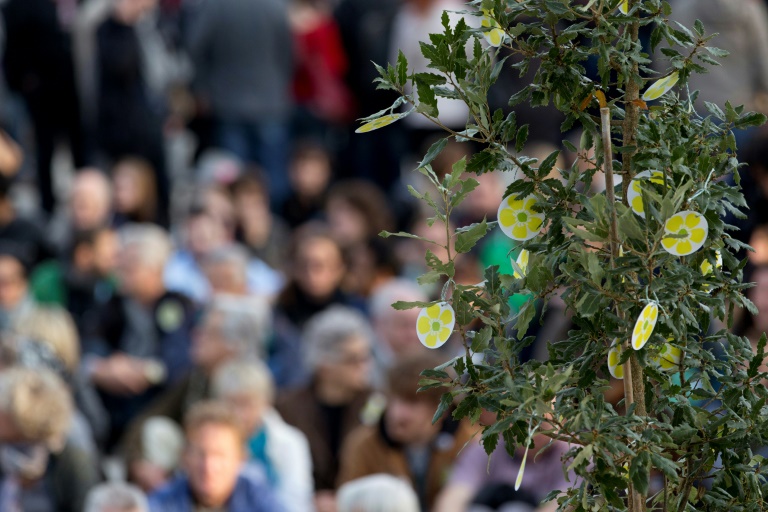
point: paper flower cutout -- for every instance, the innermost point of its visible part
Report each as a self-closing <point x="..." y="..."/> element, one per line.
<point x="634" y="194"/>
<point x="706" y="266"/>
<point x="624" y="7"/>
<point x="644" y="325"/>
<point x="668" y="358"/>
<point x="661" y="87"/>
<point x="614" y="356"/>
<point x="435" y="324"/>
<point x="692" y="229"/>
<point x="496" y="35"/>
<point x="522" y="262"/>
<point x="517" y="218"/>
<point x="381" y="122"/>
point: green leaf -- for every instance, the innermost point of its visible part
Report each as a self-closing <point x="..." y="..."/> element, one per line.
<point x="538" y="278"/>
<point x="430" y="277"/>
<point x="522" y="138"/>
<point x="481" y="339"/>
<point x="757" y="360"/>
<point x="583" y="457"/>
<point x="434" y="150"/>
<point x="470" y="235"/>
<point x="547" y="164"/>
<point x="403" y="305"/>
<point x="640" y="472"/>
<point x="666" y="466"/>
<point x="402" y="68"/>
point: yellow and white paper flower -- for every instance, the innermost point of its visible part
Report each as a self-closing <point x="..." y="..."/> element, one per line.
<point x="634" y="194"/>
<point x="496" y="35"/>
<point x="691" y="228"/>
<point x="435" y="324"/>
<point x="624" y="6"/>
<point x="706" y="266"/>
<point x="661" y="87"/>
<point x="381" y="122"/>
<point x="668" y="358"/>
<point x="522" y="263"/>
<point x="517" y="218"/>
<point x="645" y="325"/>
<point x="614" y="356"/>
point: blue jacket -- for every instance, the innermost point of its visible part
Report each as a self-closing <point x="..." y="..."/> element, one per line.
<point x="248" y="496"/>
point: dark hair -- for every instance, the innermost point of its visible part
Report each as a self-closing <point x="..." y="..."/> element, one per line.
<point x="403" y="378"/>
<point x="368" y="199"/>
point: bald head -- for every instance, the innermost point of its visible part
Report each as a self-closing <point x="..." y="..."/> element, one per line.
<point x="90" y="200"/>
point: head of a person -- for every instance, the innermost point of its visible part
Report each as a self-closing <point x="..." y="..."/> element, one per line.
<point x="232" y="327"/>
<point x="408" y="416"/>
<point x="250" y="193"/>
<point x="116" y="497"/>
<point x="35" y="407"/>
<point x="203" y="233"/>
<point x="90" y="199"/>
<point x="226" y="269"/>
<point x="53" y="327"/>
<point x="377" y="493"/>
<point x="394" y="327"/>
<point x="318" y="262"/>
<point x="94" y="251"/>
<point x="144" y="251"/>
<point x="132" y="11"/>
<point x="310" y="170"/>
<point x="337" y="348"/>
<point x="247" y="386"/>
<point x="135" y="188"/>
<point x="357" y="211"/>
<point x="154" y="463"/>
<point x="14" y="282"/>
<point x="214" y="452"/>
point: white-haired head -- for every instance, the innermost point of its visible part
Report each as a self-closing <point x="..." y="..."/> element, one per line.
<point x="244" y="323"/>
<point x="149" y="243"/>
<point x="327" y="331"/>
<point x="382" y="298"/>
<point x="377" y="493"/>
<point x="116" y="497"/>
<point x="249" y="377"/>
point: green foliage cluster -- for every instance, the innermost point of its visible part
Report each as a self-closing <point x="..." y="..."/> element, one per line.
<point x="696" y="427"/>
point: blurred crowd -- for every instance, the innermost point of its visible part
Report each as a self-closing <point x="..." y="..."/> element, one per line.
<point x="195" y="305"/>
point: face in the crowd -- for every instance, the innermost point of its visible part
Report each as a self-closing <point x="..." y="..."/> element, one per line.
<point x="347" y="223"/>
<point x="209" y="348"/>
<point x="137" y="279"/>
<point x="319" y="267"/>
<point x="350" y="368"/>
<point x="105" y="250"/>
<point x="249" y="409"/>
<point x="226" y="277"/>
<point x="212" y="459"/>
<point x="309" y="176"/>
<point x="13" y="283"/>
<point x="90" y="200"/>
<point x="410" y="421"/>
<point x="9" y="432"/>
<point x="395" y="328"/>
<point x="204" y="233"/>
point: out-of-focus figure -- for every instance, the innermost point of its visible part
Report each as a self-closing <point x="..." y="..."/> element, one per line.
<point x="377" y="493"/>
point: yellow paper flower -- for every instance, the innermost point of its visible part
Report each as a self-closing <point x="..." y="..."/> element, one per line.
<point x="496" y="35"/>
<point x="517" y="218"/>
<point x="381" y="122"/>
<point x="614" y="356"/>
<point x="624" y="7"/>
<point x="634" y="194"/>
<point x="435" y="325"/>
<point x="706" y="266"/>
<point x="661" y="87"/>
<point x="645" y="325"/>
<point x="668" y="358"/>
<point x="692" y="229"/>
<point x="522" y="262"/>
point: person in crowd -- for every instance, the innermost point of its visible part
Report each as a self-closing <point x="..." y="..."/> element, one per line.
<point x="38" y="65"/>
<point x="116" y="497"/>
<point x="135" y="192"/>
<point x="280" y="450"/>
<point x="15" y="298"/>
<point x="337" y="347"/>
<point x="377" y="493"/>
<point x="89" y="208"/>
<point x="250" y="41"/>
<point x="231" y="329"/>
<point x="131" y="112"/>
<point x="203" y="234"/>
<point x="84" y="280"/>
<point x="405" y="442"/>
<point x="157" y="457"/>
<point x="310" y="173"/>
<point x="138" y="342"/>
<point x="357" y="211"/>
<point x="40" y="468"/>
<point x="213" y="462"/>
<point x="395" y="334"/>
<point x="18" y="231"/>
<point x="264" y="234"/>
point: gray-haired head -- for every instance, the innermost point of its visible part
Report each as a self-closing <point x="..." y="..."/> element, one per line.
<point x="148" y="242"/>
<point x="250" y="377"/>
<point x="245" y="323"/>
<point x="116" y="497"/>
<point x="327" y="331"/>
<point x="377" y="493"/>
<point x="380" y="303"/>
<point x="234" y="257"/>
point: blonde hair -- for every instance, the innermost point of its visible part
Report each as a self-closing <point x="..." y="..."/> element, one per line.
<point x="38" y="403"/>
<point x="377" y="493"/>
<point x="53" y="327"/>
<point x="213" y="412"/>
<point x="249" y="376"/>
